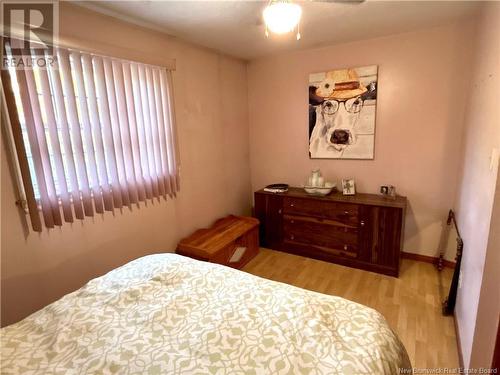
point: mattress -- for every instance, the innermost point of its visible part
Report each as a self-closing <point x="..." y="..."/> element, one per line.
<point x="168" y="314"/>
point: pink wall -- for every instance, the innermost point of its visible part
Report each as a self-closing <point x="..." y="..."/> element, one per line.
<point x="421" y="96"/>
<point x="478" y="303"/>
<point x="211" y="109"/>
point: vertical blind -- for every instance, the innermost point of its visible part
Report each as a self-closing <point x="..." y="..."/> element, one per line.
<point x="98" y="134"/>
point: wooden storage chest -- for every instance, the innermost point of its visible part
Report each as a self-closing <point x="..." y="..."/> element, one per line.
<point x="232" y="241"/>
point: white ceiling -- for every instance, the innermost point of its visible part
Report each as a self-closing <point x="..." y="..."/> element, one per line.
<point x="235" y="27"/>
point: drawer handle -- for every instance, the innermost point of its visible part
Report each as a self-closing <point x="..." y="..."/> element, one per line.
<point x="346" y="212"/>
<point x="292" y="237"/>
<point x="291" y="204"/>
<point x="279" y="211"/>
<point x="362" y="223"/>
<point x="345" y="247"/>
<point x="292" y="221"/>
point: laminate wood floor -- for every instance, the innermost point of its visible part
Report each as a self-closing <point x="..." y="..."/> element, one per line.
<point x="411" y="303"/>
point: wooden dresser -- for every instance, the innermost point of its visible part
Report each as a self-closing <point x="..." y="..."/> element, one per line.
<point x="363" y="231"/>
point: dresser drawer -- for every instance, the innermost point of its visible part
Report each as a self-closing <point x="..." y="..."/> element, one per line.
<point x="342" y="213"/>
<point x="339" y="240"/>
<point x="307" y="249"/>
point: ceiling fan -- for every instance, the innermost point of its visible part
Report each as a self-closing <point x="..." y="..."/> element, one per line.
<point x="283" y="16"/>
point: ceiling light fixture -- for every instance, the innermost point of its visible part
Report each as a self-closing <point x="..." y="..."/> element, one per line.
<point x="282" y="16"/>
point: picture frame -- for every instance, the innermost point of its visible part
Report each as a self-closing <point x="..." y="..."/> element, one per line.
<point x="342" y="113"/>
<point x="348" y="187"/>
<point x="388" y="190"/>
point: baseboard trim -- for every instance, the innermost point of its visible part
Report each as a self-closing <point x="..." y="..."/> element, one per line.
<point x="427" y="259"/>
<point x="459" y="343"/>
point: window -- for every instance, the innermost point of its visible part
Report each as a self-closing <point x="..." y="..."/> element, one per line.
<point x="97" y="134"/>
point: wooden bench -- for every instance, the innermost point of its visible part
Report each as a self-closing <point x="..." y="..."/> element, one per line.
<point x="232" y="241"/>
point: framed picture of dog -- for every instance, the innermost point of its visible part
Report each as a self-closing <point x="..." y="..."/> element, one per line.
<point x="342" y="108"/>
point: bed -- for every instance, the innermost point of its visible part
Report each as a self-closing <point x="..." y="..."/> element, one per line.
<point x="169" y="314"/>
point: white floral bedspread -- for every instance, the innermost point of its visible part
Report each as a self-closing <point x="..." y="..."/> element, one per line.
<point x="168" y="314"/>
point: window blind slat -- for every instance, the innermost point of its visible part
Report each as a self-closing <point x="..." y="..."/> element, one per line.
<point x="147" y="130"/>
<point x="49" y="105"/>
<point x="154" y="131"/>
<point x="125" y="125"/>
<point x="134" y="136"/>
<point x="35" y="149"/>
<point x="169" y="107"/>
<point x="115" y="130"/>
<point x="43" y="146"/>
<point x="62" y="121"/>
<point x="75" y="132"/>
<point x="161" y="132"/>
<point x="97" y="135"/>
<point x="107" y="132"/>
<point x="170" y="176"/>
<point x="141" y="134"/>
<point x="87" y="132"/>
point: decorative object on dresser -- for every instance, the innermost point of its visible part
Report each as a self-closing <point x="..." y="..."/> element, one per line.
<point x="348" y="187"/>
<point x="232" y="241"/>
<point x="316" y="184"/>
<point x="388" y="190"/>
<point x="276" y="188"/>
<point x="362" y="231"/>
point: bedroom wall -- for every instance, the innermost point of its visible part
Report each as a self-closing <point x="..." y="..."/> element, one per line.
<point x="423" y="77"/>
<point x="211" y="108"/>
<point x="478" y="201"/>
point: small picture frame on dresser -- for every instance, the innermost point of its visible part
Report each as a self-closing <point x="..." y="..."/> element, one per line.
<point x="348" y="187"/>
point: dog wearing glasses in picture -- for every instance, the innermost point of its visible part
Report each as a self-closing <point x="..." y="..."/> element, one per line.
<point x="342" y="113"/>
